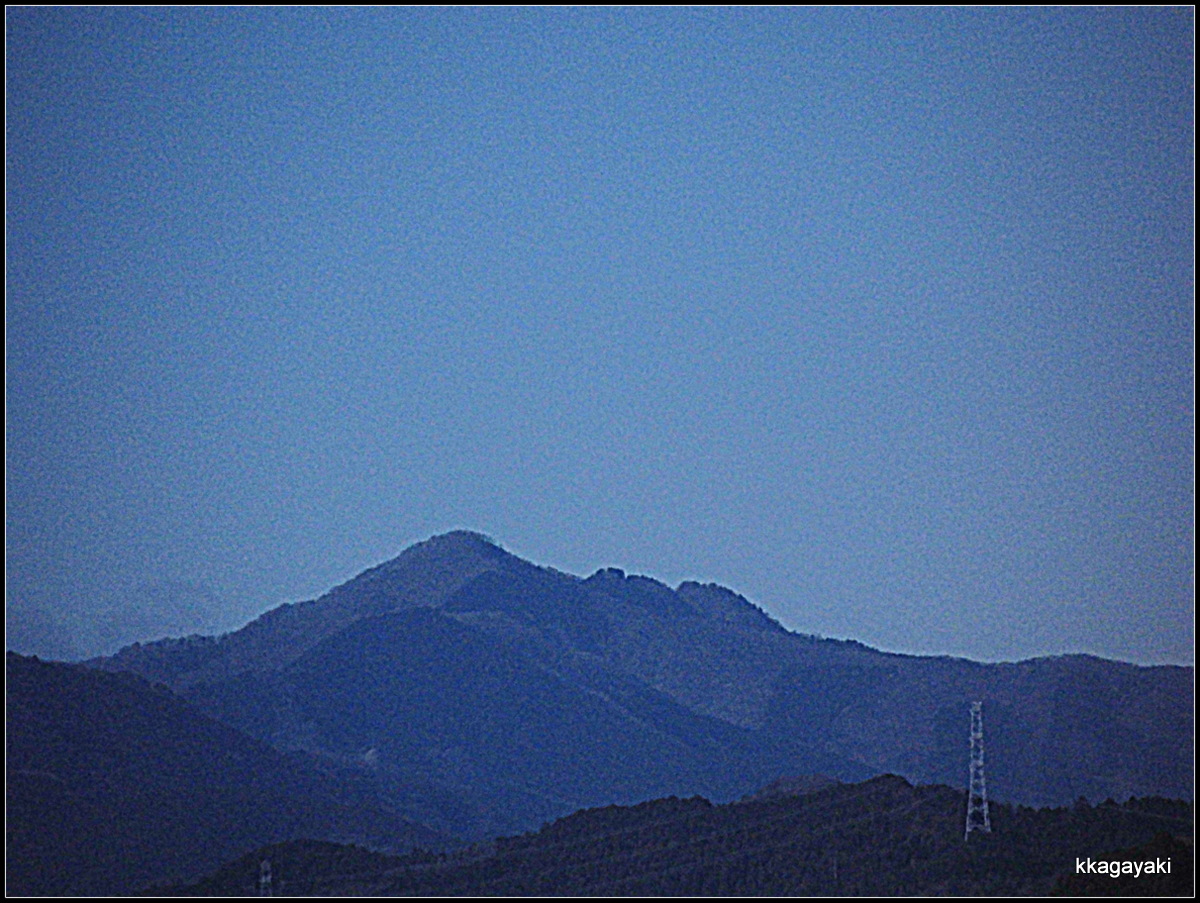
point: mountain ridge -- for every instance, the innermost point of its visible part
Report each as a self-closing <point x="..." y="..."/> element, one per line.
<point x="424" y="574"/>
<point x="880" y="837"/>
<point x="377" y="585"/>
<point x="700" y="659"/>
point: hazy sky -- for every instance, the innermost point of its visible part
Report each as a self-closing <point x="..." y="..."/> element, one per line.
<point x="883" y="318"/>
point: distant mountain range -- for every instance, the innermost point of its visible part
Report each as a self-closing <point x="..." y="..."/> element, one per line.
<point x="528" y="692"/>
<point x="475" y="694"/>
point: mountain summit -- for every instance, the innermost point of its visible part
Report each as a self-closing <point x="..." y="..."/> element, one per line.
<point x="492" y="694"/>
<point x="462" y="572"/>
<point x="423" y="575"/>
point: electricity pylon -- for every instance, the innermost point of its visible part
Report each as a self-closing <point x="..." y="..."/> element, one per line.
<point x="264" y="879"/>
<point x="977" y="804"/>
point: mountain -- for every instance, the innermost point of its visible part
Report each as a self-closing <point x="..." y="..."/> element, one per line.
<point x="882" y="837"/>
<point x="113" y="783"/>
<point x="490" y="694"/>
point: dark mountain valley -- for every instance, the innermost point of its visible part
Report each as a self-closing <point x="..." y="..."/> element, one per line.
<point x="457" y="694"/>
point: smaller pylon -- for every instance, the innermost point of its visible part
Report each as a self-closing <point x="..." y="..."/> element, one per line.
<point x="264" y="879"/>
<point x="977" y="803"/>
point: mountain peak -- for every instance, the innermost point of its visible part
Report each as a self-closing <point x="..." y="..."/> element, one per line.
<point x="461" y="540"/>
<point x="427" y="571"/>
<point x="423" y="575"/>
<point x="455" y="552"/>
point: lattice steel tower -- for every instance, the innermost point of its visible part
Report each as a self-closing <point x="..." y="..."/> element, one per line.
<point x="264" y="879"/>
<point x="977" y="804"/>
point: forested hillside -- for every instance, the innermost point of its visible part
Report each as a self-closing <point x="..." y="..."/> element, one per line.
<point x="881" y="837"/>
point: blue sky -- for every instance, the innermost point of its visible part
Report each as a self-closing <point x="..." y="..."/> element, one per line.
<point x="883" y="318"/>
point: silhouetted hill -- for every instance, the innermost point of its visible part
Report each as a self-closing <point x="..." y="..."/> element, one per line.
<point x="517" y="692"/>
<point x="113" y="783"/>
<point x="882" y="837"/>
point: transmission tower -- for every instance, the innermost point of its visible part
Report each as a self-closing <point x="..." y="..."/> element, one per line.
<point x="264" y="879"/>
<point x="977" y="804"/>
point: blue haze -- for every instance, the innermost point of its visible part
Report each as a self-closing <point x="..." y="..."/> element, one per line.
<point x="883" y="318"/>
